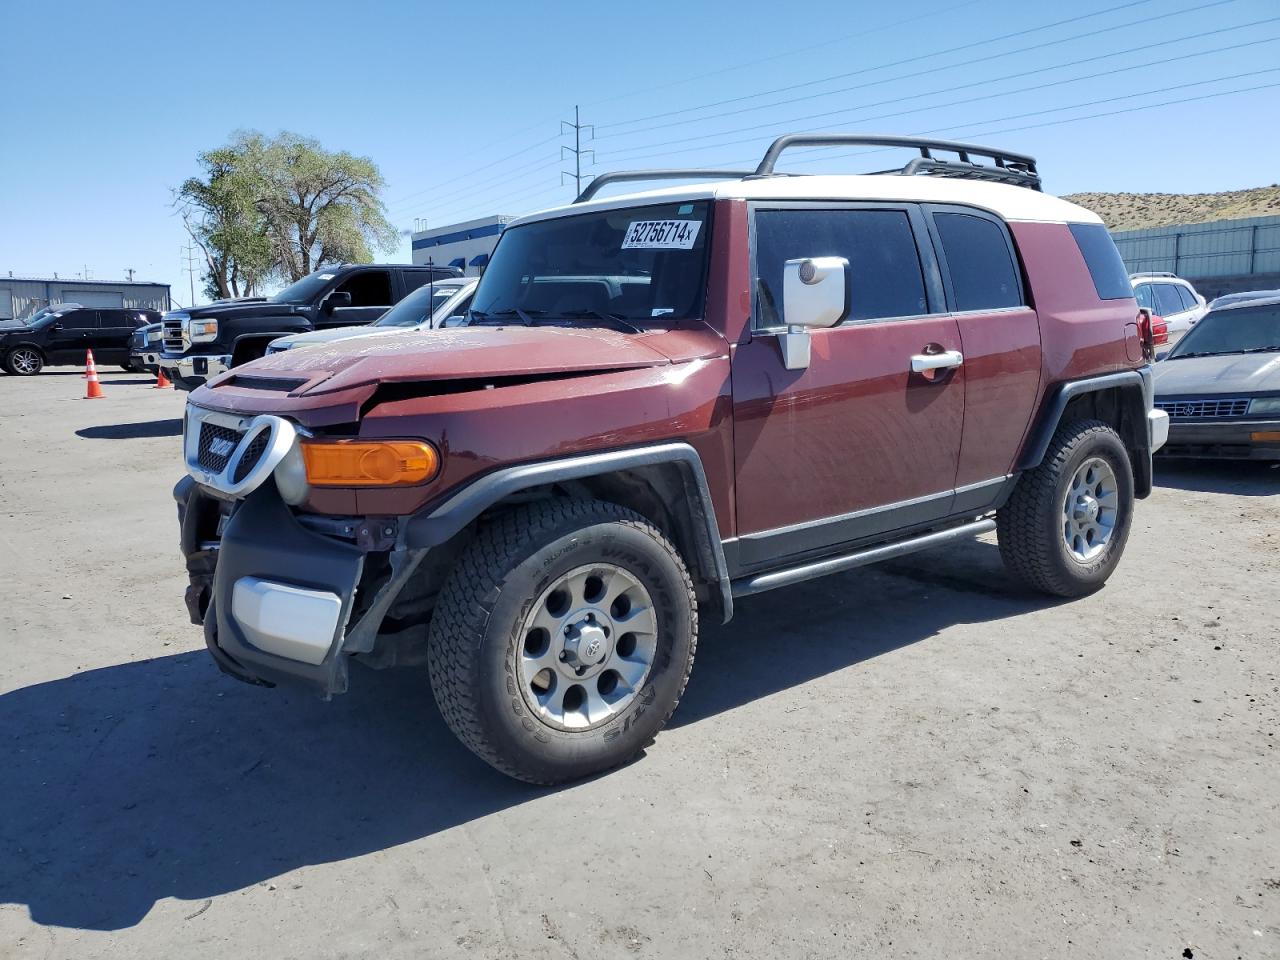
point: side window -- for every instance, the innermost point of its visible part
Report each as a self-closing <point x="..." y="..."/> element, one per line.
<point x="1188" y="298"/>
<point x="1145" y="296"/>
<point x="1167" y="300"/>
<point x="413" y="279"/>
<point x="79" y="320"/>
<point x="983" y="275"/>
<point x="372" y="288"/>
<point x="885" y="278"/>
<point x="1106" y="266"/>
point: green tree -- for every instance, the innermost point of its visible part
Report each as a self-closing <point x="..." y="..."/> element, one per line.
<point x="220" y="212"/>
<point x="320" y="207"/>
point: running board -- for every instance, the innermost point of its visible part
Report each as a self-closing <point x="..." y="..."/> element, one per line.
<point x="746" y="586"/>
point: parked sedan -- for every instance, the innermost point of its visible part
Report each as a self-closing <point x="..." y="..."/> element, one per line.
<point x="1221" y="384"/>
<point x="427" y="308"/>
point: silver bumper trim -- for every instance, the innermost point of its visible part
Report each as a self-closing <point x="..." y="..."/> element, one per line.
<point x="1158" y="428"/>
<point x="285" y="620"/>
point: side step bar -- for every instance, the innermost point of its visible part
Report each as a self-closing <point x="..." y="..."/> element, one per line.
<point x="746" y="586"/>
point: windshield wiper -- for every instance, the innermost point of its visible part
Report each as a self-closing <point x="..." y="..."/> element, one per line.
<point x="1183" y="356"/>
<point x="524" y="316"/>
<point x="619" y="321"/>
<point x="1273" y="348"/>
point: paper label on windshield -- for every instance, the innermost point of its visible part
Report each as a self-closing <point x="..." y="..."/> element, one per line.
<point x="661" y="235"/>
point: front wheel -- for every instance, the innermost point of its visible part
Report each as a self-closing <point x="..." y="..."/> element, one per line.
<point x="563" y="640"/>
<point x="24" y="362"/>
<point x="1065" y="526"/>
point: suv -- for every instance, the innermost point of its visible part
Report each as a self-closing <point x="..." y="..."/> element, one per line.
<point x="205" y="341"/>
<point x="1170" y="297"/>
<point x="663" y="402"/>
<point x="62" y="333"/>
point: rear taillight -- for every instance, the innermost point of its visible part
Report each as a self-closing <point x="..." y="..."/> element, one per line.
<point x="1159" y="331"/>
<point x="1145" y="323"/>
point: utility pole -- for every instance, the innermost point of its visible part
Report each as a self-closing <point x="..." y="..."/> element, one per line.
<point x="191" y="270"/>
<point x="129" y="271"/>
<point x="577" y="127"/>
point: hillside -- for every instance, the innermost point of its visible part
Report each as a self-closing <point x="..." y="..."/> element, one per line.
<point x="1133" y="211"/>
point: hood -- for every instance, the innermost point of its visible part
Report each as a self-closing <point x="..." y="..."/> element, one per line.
<point x="6" y="325"/>
<point x="256" y="307"/>
<point x="342" y="375"/>
<point x="334" y="334"/>
<point x="1227" y="374"/>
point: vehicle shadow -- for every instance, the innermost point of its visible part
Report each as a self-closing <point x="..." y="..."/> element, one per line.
<point x="133" y="431"/>
<point x="1244" y="478"/>
<point x="163" y="778"/>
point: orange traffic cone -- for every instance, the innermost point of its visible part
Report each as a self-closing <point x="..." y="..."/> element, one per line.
<point x="162" y="382"/>
<point x="94" y="388"/>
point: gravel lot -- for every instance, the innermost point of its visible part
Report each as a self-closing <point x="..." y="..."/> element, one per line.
<point x="917" y="760"/>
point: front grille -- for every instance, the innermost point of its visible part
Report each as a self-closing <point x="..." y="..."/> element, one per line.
<point x="252" y="454"/>
<point x="224" y="439"/>
<point x="1209" y="408"/>
<point x="173" y="337"/>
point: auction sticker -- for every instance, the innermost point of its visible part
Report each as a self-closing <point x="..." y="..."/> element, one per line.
<point x="661" y="235"/>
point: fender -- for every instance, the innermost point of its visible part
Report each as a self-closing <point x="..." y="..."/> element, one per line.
<point x="1138" y="392"/>
<point x="437" y="525"/>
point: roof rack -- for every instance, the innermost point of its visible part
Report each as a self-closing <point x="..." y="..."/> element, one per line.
<point x="1018" y="169"/>
<point x="1153" y="273"/>
<point x="1005" y="167"/>
<point x="622" y="176"/>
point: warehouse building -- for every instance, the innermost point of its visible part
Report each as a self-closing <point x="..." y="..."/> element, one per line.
<point x="1222" y="256"/>
<point x="20" y="297"/>
<point x="465" y="245"/>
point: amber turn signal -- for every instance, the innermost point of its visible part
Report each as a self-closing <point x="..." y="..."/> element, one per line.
<point x="369" y="463"/>
<point x="1265" y="436"/>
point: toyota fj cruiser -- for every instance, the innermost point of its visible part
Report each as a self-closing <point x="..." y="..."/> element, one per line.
<point x="204" y="341"/>
<point x="662" y="402"/>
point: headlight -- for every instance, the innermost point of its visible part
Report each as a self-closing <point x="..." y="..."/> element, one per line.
<point x="1265" y="405"/>
<point x="200" y="331"/>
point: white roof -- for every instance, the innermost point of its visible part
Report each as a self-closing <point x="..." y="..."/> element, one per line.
<point x="1006" y="201"/>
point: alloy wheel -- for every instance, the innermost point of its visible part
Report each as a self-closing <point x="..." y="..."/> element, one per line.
<point x="1090" y="509"/>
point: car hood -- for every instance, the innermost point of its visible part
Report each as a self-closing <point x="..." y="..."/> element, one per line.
<point x="334" y="334"/>
<point x="243" y="308"/>
<point x="342" y="375"/>
<point x="7" y="326"/>
<point x="1228" y="373"/>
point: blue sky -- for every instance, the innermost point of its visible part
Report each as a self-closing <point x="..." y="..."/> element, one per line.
<point x="106" y="105"/>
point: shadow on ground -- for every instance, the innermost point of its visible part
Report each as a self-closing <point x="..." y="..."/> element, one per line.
<point x="164" y="778"/>
<point x="133" y="431"/>
<point x="1243" y="478"/>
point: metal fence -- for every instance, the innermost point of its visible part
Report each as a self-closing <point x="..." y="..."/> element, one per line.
<point x="1222" y="248"/>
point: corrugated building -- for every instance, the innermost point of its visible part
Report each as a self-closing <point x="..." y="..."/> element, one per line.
<point x="20" y="297"/>
<point x="1222" y="256"/>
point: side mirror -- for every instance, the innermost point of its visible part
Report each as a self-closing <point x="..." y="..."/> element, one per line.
<point x="56" y="325"/>
<point x="814" y="294"/>
<point x="337" y="299"/>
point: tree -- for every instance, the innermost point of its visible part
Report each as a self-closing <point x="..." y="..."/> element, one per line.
<point x="280" y="208"/>
<point x="320" y="207"/>
<point x="221" y="214"/>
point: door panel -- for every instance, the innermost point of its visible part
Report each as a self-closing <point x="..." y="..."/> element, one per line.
<point x="74" y="336"/>
<point x="1002" y="377"/>
<point x="112" y="337"/>
<point x="854" y="432"/>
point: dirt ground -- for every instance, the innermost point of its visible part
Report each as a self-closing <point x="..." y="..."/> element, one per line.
<point x="918" y="760"/>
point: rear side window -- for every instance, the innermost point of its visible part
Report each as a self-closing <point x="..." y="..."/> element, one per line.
<point x="1110" y="278"/>
<point x="1188" y="298"/>
<point x="885" y="278"/>
<point x="1167" y="300"/>
<point x="983" y="275"/>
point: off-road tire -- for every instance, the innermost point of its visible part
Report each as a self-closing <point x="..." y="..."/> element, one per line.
<point x="475" y="636"/>
<point x="13" y="369"/>
<point x="1029" y="526"/>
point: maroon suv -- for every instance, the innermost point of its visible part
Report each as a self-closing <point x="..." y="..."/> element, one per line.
<point x="661" y="402"/>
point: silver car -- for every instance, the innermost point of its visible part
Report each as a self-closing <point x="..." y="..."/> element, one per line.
<point x="1221" y="384"/>
<point x="427" y="308"/>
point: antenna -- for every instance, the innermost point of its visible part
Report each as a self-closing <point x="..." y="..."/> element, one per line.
<point x="577" y="127"/>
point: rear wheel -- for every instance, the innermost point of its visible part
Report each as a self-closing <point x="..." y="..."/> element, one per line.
<point x="563" y="640"/>
<point x="24" y="361"/>
<point x="1065" y="526"/>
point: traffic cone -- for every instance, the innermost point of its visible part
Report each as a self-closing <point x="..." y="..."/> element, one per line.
<point x="94" y="388"/>
<point x="162" y="382"/>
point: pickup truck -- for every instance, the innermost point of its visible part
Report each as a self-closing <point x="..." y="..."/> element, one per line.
<point x="205" y="341"/>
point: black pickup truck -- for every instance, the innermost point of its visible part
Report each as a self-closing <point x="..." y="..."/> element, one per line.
<point x="204" y="341"/>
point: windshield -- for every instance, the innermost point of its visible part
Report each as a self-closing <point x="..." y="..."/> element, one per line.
<point x="418" y="307"/>
<point x="636" y="264"/>
<point x="1239" y="330"/>
<point x="306" y="289"/>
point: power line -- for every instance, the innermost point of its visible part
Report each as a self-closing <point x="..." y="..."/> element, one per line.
<point x="977" y="83"/>
<point x="927" y="56"/>
<point x="475" y="170"/>
<point x="479" y="187"/>
<point x="631" y="155"/>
